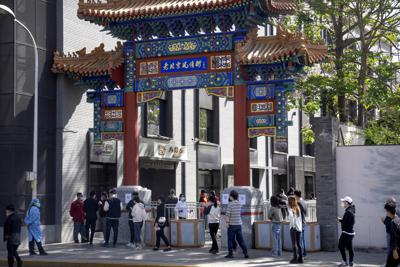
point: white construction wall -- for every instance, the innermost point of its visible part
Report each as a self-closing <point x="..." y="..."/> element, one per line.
<point x="370" y="175"/>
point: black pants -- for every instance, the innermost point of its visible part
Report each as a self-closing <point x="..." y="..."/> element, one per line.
<point x="90" y="225"/>
<point x="160" y="235"/>
<point x="12" y="254"/>
<point x="213" y="233"/>
<point x="132" y="231"/>
<point x="346" y="242"/>
<point x="112" y="223"/>
<point x="296" y="244"/>
<point x="391" y="262"/>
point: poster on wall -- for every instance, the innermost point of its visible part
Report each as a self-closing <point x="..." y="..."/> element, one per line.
<point x="225" y="199"/>
<point x="242" y="199"/>
<point x="103" y="152"/>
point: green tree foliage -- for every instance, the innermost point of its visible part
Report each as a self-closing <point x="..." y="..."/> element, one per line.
<point x="361" y="76"/>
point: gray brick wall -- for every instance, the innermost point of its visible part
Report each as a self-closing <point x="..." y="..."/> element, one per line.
<point x="326" y="131"/>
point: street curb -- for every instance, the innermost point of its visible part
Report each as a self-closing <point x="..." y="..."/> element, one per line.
<point x="63" y="263"/>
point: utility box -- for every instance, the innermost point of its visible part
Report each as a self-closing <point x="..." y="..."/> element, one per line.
<point x="252" y="210"/>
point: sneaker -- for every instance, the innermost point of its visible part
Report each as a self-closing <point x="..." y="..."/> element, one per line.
<point x="105" y="244"/>
<point x="343" y="264"/>
<point x="156" y="249"/>
<point x="293" y="261"/>
<point x="131" y="245"/>
<point x="167" y="249"/>
<point x="246" y="256"/>
<point x="229" y="256"/>
<point x="300" y="260"/>
<point x="351" y="264"/>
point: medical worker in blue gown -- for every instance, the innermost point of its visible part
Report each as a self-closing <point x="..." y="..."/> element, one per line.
<point x="32" y="221"/>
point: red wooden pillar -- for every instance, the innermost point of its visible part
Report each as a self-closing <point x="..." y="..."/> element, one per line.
<point x="241" y="140"/>
<point x="131" y="140"/>
<point x="131" y="132"/>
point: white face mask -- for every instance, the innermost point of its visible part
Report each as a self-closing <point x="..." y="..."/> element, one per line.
<point x="182" y="199"/>
<point x="343" y="205"/>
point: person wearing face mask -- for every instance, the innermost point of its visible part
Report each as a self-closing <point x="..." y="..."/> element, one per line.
<point x="139" y="216"/>
<point x="12" y="235"/>
<point x="32" y="221"/>
<point x="347" y="236"/>
<point x="234" y="224"/>
<point x="113" y="207"/>
<point x="213" y="213"/>
<point x="78" y="216"/>
<point x="181" y="208"/>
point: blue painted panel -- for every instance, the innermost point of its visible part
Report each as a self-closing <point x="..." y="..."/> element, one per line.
<point x="174" y="234"/>
<point x="281" y="112"/>
<point x="186" y="64"/>
<point x="264" y="235"/>
<point x="187" y="234"/>
<point x="261" y="121"/>
<point x="184" y="82"/>
<point x="184" y="46"/>
<point x="112" y="126"/>
<point x="201" y="230"/>
<point x="260" y="92"/>
<point x="112" y="99"/>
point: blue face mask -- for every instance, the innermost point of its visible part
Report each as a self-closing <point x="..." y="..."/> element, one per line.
<point x="182" y="199"/>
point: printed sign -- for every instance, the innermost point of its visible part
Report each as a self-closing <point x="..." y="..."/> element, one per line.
<point x="187" y="64"/>
<point x="104" y="152"/>
<point x="225" y="199"/>
<point x="260" y="107"/>
<point x="128" y="197"/>
<point x="168" y="151"/>
<point x="242" y="199"/>
<point x="112" y="114"/>
<point x="260" y="92"/>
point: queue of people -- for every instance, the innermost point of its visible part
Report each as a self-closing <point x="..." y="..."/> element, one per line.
<point x="108" y="209"/>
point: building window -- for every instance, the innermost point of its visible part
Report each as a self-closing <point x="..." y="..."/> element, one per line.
<point x="158" y="118"/>
<point x="153" y="117"/>
<point x="253" y="143"/>
<point x="204" y="125"/>
<point x="208" y="116"/>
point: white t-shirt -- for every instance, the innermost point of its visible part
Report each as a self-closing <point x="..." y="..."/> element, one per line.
<point x="214" y="215"/>
<point x="181" y="209"/>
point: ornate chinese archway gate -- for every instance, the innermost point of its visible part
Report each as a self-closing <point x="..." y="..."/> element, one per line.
<point x="174" y="45"/>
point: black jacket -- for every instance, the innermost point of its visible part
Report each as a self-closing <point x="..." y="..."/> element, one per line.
<point x="395" y="234"/>
<point x="12" y="229"/>
<point x="129" y="208"/>
<point x="90" y="207"/>
<point x="161" y="213"/>
<point x="348" y="220"/>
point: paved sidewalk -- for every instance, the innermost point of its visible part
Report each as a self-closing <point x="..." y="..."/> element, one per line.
<point x="78" y="255"/>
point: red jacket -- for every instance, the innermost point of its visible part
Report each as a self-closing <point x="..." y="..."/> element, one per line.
<point x="76" y="211"/>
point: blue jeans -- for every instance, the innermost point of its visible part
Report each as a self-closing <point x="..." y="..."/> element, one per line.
<point x="79" y="228"/>
<point x="103" y="221"/>
<point x="235" y="232"/>
<point x="138" y="232"/>
<point x="303" y="243"/>
<point x="388" y="250"/>
<point x="276" y="239"/>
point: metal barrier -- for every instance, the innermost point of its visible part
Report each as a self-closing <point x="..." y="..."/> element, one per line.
<point x="196" y="210"/>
